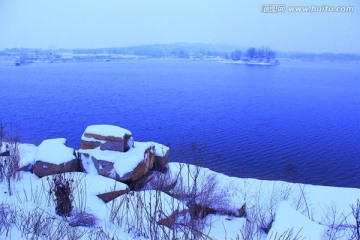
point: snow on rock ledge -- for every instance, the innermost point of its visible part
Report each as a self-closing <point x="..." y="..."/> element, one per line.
<point x="53" y="156"/>
<point x="107" y="137"/>
<point x="122" y="166"/>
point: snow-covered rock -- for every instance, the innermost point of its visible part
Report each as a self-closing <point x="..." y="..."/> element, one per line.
<point x="107" y="137"/>
<point x="122" y="166"/>
<point x="162" y="157"/>
<point x="53" y="156"/>
<point x="110" y="151"/>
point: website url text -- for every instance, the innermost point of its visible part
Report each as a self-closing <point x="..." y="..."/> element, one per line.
<point x="282" y="8"/>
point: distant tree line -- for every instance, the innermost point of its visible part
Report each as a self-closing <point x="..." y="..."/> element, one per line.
<point x="156" y="50"/>
<point x="262" y="54"/>
<point x="180" y="50"/>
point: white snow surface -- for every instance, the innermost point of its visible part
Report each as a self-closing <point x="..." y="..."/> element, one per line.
<point x="54" y="151"/>
<point x="92" y="184"/>
<point x="224" y="227"/>
<point x="3" y="147"/>
<point x="290" y="221"/>
<point x="96" y="184"/>
<point x="27" y="154"/>
<point x="107" y="130"/>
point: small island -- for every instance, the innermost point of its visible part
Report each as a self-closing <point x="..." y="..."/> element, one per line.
<point x="262" y="56"/>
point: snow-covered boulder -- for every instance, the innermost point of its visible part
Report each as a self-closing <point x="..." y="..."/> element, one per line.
<point x="162" y="157"/>
<point x="290" y="223"/>
<point x="122" y="166"/>
<point x="53" y="156"/>
<point x="107" y="137"/>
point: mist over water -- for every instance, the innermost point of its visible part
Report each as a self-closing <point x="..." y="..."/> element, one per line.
<point x="296" y="122"/>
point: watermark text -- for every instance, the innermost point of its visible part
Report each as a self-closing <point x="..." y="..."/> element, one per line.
<point x="282" y="8"/>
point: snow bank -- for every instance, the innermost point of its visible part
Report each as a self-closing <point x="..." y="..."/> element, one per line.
<point x="220" y="190"/>
<point x="316" y="202"/>
<point x="54" y="151"/>
<point x="289" y="222"/>
<point x="224" y="227"/>
<point x="33" y="188"/>
<point x="107" y="130"/>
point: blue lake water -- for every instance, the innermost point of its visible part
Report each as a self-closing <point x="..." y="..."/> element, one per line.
<point x="298" y="122"/>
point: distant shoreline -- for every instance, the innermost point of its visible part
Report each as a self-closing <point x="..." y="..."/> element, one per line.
<point x="274" y="63"/>
<point x="119" y="58"/>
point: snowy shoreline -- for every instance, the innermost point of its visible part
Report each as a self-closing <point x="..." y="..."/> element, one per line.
<point x="231" y="206"/>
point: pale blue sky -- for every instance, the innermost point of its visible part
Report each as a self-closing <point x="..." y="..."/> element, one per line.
<point x="115" y="23"/>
